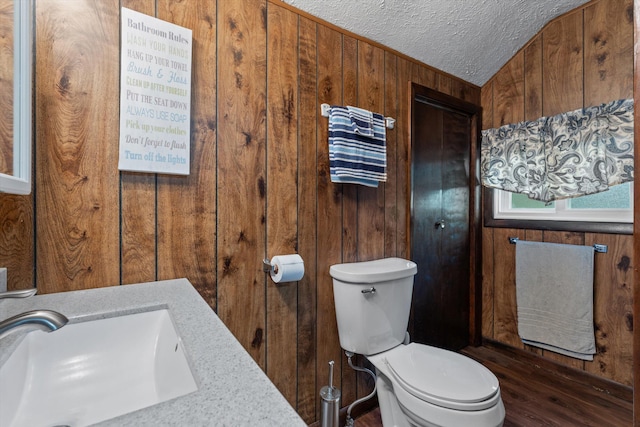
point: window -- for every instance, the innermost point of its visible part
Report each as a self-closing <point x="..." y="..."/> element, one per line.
<point x="609" y="211"/>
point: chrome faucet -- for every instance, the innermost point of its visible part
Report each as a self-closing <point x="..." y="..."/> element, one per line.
<point x="22" y="293"/>
<point x="47" y="319"/>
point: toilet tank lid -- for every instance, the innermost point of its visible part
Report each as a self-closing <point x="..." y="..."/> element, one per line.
<point x="380" y="270"/>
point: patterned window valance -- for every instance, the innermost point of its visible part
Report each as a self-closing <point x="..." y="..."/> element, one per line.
<point x="568" y="155"/>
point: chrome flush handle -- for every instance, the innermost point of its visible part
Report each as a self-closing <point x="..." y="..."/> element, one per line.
<point x="371" y="290"/>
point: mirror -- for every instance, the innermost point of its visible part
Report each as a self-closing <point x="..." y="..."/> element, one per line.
<point x="15" y="102"/>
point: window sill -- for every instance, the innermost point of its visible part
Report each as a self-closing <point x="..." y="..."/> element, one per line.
<point x="579" y="226"/>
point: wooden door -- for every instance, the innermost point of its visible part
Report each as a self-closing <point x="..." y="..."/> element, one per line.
<point x="441" y="146"/>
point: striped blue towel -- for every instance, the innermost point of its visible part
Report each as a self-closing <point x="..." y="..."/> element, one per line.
<point x="355" y="158"/>
<point x="361" y="121"/>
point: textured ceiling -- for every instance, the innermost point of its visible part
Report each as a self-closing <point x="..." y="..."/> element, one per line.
<point x="470" y="39"/>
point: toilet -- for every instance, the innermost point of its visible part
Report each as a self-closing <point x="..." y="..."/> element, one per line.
<point x="417" y="385"/>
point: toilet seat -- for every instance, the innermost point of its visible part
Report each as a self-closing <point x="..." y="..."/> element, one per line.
<point x="441" y="377"/>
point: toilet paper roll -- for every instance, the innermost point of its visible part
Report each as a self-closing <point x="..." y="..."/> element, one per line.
<point x="287" y="268"/>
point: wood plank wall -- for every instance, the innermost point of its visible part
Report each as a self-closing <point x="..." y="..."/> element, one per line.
<point x="581" y="59"/>
<point x="259" y="183"/>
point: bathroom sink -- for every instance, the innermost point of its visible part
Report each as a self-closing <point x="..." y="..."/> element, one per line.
<point x="92" y="371"/>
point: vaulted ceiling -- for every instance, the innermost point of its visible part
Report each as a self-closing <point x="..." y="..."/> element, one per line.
<point x="470" y="39"/>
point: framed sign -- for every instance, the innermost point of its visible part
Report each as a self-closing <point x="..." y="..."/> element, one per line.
<point x="155" y="95"/>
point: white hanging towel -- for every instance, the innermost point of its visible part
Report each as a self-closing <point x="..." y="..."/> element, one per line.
<point x="554" y="292"/>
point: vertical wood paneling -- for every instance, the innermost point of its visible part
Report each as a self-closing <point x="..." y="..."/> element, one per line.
<point x="241" y="171"/>
<point x="403" y="150"/>
<point x="138" y="225"/>
<point x="96" y="227"/>
<point x="370" y="200"/>
<point x="307" y="219"/>
<point x="349" y="198"/>
<point x="488" y="286"/>
<point x="76" y="150"/>
<point x="349" y="192"/>
<point x="533" y="80"/>
<point x="424" y="76"/>
<point x="486" y="99"/>
<point x="282" y="195"/>
<point x="465" y="92"/>
<point x="186" y="204"/>
<point x="534" y="235"/>
<point x="445" y="84"/>
<point x="505" y="318"/>
<point x="558" y="73"/>
<point x="613" y="307"/>
<point x="259" y="181"/>
<point x="563" y="60"/>
<point x="391" y="186"/>
<point x="608" y="51"/>
<point x="16" y="240"/>
<point x="508" y="93"/>
<point x="329" y="203"/>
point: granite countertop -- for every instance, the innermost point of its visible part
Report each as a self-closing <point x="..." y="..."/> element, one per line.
<point x="232" y="389"/>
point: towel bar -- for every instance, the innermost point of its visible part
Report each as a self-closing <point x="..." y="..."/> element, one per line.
<point x="603" y="249"/>
<point x="388" y="121"/>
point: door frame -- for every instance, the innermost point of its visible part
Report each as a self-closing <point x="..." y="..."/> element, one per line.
<point x="442" y="100"/>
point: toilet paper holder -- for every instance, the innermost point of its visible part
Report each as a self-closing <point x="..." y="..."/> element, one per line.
<point x="267" y="266"/>
<point x="284" y="268"/>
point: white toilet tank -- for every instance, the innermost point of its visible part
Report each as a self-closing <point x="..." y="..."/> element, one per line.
<point x="372" y="301"/>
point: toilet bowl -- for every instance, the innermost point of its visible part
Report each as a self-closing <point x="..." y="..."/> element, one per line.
<point x="422" y="385"/>
<point x="417" y="385"/>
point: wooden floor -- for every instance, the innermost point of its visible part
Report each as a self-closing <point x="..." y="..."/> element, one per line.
<point x="536" y="393"/>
